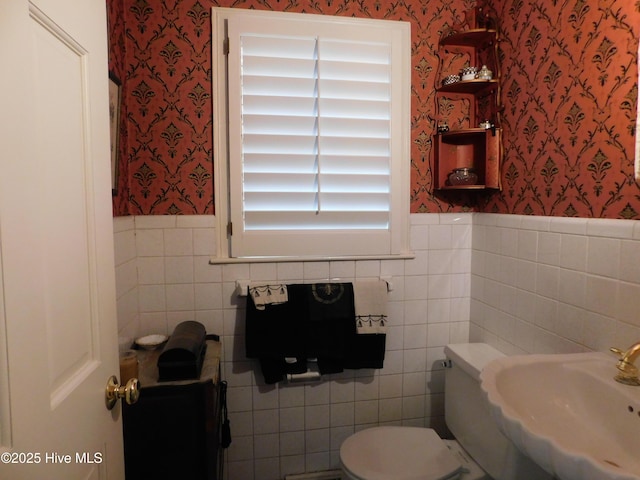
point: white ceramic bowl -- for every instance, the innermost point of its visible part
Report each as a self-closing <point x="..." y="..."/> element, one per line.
<point x="151" y="342"/>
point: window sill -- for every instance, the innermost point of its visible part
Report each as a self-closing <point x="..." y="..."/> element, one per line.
<point x="237" y="260"/>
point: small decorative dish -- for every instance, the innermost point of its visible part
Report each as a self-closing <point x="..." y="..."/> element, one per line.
<point x="485" y="73"/>
<point x="151" y="342"/>
<point x="463" y="176"/>
<point x="449" y="79"/>
<point x="469" y="73"/>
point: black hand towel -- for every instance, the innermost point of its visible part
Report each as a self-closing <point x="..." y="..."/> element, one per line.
<point x="276" y="332"/>
<point x="331" y="324"/>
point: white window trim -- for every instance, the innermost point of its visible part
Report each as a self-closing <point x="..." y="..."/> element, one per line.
<point x="400" y="176"/>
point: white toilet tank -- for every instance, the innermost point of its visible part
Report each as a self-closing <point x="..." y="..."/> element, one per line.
<point x="469" y="420"/>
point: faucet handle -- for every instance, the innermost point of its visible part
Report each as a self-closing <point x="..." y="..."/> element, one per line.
<point x="628" y="372"/>
<point x="617" y="351"/>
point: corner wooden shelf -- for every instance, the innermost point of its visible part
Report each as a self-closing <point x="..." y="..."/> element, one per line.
<point x="472" y="147"/>
<point x="470" y="38"/>
<point x="469" y="87"/>
<point x="476" y="148"/>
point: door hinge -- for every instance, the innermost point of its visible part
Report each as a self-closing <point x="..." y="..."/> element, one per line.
<point x="225" y="46"/>
<point x="229" y="229"/>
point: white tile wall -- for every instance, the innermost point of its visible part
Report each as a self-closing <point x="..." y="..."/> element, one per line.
<point x="528" y="284"/>
<point x="285" y="429"/>
<point x="555" y="285"/>
<point x="126" y="280"/>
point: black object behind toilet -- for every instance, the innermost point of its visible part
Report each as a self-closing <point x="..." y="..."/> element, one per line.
<point x="183" y="354"/>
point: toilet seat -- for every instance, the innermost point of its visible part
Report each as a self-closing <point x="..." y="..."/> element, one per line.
<point x="401" y="453"/>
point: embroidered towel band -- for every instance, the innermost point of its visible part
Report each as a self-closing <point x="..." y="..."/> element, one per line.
<point x="370" y="299"/>
<point x="268" y="295"/>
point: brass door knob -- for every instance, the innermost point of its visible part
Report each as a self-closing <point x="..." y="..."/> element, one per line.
<point x="114" y="391"/>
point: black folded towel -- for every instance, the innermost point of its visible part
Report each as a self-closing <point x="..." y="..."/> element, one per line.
<point x="331" y="324"/>
<point x="277" y="332"/>
<point x="366" y="351"/>
<point x="318" y="321"/>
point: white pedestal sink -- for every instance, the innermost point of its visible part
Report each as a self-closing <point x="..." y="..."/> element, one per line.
<point x="567" y="413"/>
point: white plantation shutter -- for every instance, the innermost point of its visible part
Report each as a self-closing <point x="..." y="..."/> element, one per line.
<point x="316" y="135"/>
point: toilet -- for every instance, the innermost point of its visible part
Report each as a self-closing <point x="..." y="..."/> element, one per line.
<point x="480" y="451"/>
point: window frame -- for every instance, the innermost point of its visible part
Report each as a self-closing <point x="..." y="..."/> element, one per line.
<point x="400" y="163"/>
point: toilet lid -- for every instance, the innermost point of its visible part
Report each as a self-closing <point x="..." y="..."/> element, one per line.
<point x="401" y="453"/>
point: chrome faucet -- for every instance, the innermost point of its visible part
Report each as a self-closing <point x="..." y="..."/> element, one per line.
<point x="628" y="372"/>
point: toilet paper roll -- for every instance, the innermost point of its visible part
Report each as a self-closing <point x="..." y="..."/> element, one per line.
<point x="308" y="376"/>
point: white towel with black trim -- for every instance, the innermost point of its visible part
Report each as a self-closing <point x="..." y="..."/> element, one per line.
<point x="370" y="302"/>
<point x="263" y="295"/>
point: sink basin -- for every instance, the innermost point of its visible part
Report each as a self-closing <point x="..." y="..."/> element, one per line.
<point x="567" y="413"/>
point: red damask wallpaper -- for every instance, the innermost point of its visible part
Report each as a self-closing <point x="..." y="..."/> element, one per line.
<point x="569" y="90"/>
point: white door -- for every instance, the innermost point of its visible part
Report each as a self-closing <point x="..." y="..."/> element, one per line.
<point x="58" y="328"/>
